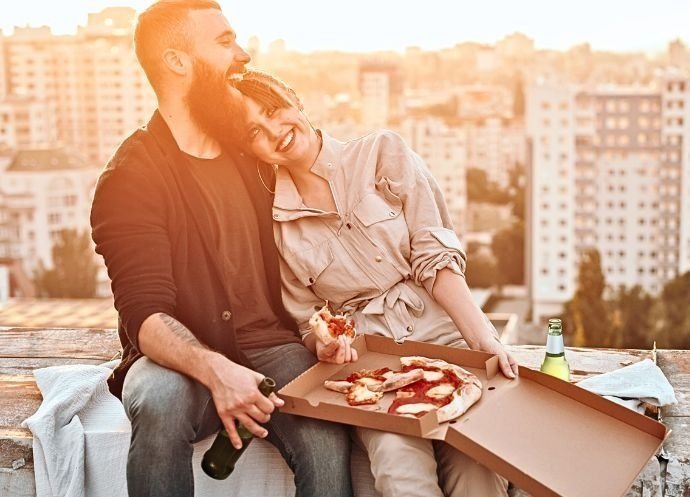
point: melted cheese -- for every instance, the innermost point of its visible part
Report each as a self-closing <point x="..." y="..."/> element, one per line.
<point x="369" y="381"/>
<point x="361" y="394"/>
<point x="414" y="408"/>
<point x="440" y="391"/>
<point x="432" y="376"/>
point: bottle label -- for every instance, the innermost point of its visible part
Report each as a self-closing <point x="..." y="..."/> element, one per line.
<point x="554" y="344"/>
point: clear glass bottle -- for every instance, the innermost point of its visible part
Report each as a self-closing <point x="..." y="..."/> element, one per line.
<point x="219" y="461"/>
<point x="555" y="363"/>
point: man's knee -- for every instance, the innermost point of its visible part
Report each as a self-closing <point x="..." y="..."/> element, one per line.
<point x="161" y="398"/>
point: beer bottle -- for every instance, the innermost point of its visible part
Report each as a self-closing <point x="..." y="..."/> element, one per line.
<point x="554" y="361"/>
<point x="219" y="461"/>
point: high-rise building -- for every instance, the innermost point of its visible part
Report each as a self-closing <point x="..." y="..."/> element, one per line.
<point x="42" y="191"/>
<point x="380" y="88"/>
<point x="444" y="150"/>
<point x="496" y="146"/>
<point x="609" y="169"/>
<point x="91" y="81"/>
<point x="26" y="122"/>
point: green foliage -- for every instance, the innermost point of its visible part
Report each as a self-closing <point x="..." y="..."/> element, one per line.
<point x="508" y="246"/>
<point x="630" y="318"/>
<point x="480" y="189"/>
<point x="74" y="273"/>
<point x="586" y="315"/>
<point x="674" y="314"/>
<point x="481" y="268"/>
<point x="516" y="190"/>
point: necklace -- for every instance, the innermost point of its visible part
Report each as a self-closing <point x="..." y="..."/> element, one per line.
<point x="258" y="171"/>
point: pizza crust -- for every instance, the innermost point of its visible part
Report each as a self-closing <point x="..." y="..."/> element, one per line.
<point x="464" y="397"/>
<point x="394" y="381"/>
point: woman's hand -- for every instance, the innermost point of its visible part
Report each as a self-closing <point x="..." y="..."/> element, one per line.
<point x="508" y="365"/>
<point x="337" y="352"/>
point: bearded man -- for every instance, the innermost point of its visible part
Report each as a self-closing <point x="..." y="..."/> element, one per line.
<point x="185" y="231"/>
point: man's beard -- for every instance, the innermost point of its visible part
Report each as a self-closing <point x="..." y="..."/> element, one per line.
<point x="211" y="105"/>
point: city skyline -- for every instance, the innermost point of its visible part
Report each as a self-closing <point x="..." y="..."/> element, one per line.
<point x="609" y="26"/>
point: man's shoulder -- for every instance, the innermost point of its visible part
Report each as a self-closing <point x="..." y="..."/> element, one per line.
<point x="134" y="151"/>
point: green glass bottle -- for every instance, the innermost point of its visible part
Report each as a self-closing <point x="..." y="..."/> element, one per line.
<point x="219" y="461"/>
<point x="555" y="363"/>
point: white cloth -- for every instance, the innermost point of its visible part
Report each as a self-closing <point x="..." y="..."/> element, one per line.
<point x="81" y="434"/>
<point x="81" y="439"/>
<point x="630" y="386"/>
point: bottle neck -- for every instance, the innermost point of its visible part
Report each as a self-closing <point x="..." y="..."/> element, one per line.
<point x="554" y="344"/>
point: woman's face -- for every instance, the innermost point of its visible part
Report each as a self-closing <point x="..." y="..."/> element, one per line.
<point x="280" y="135"/>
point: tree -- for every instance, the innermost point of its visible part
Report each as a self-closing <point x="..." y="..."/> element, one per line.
<point x="674" y="330"/>
<point x="481" y="268"/>
<point x="516" y="190"/>
<point x="632" y="317"/>
<point x="586" y="314"/>
<point x="508" y="246"/>
<point x="480" y="189"/>
<point x="74" y="273"/>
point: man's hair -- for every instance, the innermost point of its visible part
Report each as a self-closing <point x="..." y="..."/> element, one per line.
<point x="164" y="25"/>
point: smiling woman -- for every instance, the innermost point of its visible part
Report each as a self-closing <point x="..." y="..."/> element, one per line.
<point x="363" y="226"/>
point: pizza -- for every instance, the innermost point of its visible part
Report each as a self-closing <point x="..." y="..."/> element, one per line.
<point x="327" y="327"/>
<point x="422" y="385"/>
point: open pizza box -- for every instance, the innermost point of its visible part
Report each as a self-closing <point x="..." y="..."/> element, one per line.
<point x="545" y="435"/>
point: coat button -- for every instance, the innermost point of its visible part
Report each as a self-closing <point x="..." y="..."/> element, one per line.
<point x="378" y="258"/>
<point x="311" y="280"/>
<point x="391" y="214"/>
<point x="226" y="315"/>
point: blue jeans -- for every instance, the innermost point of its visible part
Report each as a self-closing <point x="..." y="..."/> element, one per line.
<point x="170" y="411"/>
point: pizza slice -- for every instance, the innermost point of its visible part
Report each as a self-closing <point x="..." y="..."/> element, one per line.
<point x="359" y="395"/>
<point x="327" y="327"/>
<point x="421" y="386"/>
<point x="446" y="387"/>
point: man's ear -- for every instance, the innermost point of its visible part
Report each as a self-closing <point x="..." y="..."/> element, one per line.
<point x="177" y="61"/>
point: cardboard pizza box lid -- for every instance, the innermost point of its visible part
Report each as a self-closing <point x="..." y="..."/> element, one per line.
<point x="545" y="435"/>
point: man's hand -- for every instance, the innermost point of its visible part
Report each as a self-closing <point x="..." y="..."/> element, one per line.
<point x="509" y="366"/>
<point x="338" y="352"/>
<point x="236" y="396"/>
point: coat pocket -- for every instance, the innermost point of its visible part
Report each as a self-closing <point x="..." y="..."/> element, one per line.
<point x="373" y="209"/>
<point x="310" y="263"/>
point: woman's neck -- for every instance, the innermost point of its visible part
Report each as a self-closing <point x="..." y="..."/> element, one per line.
<point x="302" y="170"/>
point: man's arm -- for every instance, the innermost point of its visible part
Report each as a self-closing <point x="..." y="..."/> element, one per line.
<point x="234" y="388"/>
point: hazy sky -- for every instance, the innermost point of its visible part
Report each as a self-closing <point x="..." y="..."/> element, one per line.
<point x="360" y="25"/>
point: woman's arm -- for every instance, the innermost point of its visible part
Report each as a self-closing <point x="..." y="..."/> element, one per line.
<point x="450" y="290"/>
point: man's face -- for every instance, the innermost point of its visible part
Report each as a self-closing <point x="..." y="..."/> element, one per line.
<point x="216" y="57"/>
<point x="215" y="41"/>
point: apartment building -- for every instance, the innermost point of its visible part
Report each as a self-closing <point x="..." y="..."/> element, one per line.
<point x="91" y="81"/>
<point x="26" y="122"/>
<point x="444" y="150"/>
<point x="42" y="191"/>
<point x="380" y="88"/>
<point x="609" y="168"/>
<point x="496" y="145"/>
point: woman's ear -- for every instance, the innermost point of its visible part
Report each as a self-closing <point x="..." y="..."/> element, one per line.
<point x="177" y="61"/>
